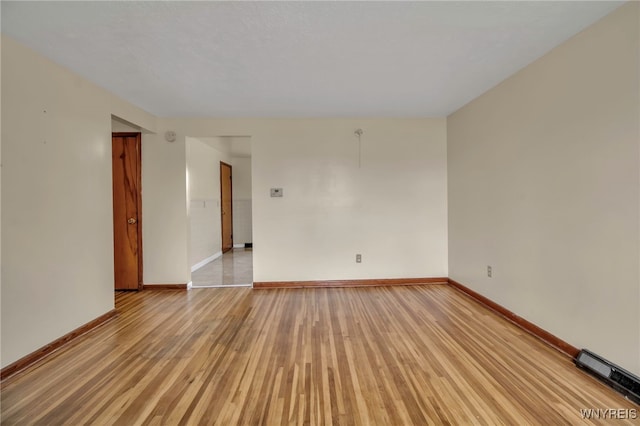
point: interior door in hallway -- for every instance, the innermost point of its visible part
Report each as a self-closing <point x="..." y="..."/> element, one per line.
<point x="226" y="207"/>
<point x="127" y="235"/>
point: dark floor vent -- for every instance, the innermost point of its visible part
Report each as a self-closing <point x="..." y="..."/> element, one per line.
<point x="620" y="379"/>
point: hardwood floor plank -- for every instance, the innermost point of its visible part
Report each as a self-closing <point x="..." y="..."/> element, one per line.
<point x="326" y="356"/>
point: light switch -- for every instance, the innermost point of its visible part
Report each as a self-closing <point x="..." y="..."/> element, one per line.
<point x="276" y="192"/>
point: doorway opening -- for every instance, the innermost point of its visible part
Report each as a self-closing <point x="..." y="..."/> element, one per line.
<point x="226" y="206"/>
<point x="219" y="209"/>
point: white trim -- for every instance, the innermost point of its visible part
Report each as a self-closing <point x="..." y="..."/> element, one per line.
<point x="238" y="246"/>
<point x="205" y="261"/>
<point x="222" y="286"/>
<point x="189" y="285"/>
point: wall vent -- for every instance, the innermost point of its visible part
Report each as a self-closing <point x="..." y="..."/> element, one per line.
<point x="618" y="378"/>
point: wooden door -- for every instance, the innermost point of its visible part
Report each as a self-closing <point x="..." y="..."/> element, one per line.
<point x="226" y="208"/>
<point x="127" y="229"/>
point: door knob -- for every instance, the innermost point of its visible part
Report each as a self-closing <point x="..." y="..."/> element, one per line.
<point x="131" y="221"/>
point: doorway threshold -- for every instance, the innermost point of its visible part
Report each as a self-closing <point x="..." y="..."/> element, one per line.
<point x="222" y="285"/>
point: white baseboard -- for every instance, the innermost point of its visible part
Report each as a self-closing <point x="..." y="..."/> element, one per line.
<point x="189" y="285"/>
<point x="205" y="261"/>
<point x="238" y="245"/>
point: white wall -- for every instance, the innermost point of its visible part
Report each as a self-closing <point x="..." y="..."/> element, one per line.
<point x="203" y="165"/>
<point x="393" y="210"/>
<point x="544" y="186"/>
<point x="241" y="177"/>
<point x="242" y="217"/>
<point x="121" y="126"/>
<point x="57" y="226"/>
<point x="165" y="226"/>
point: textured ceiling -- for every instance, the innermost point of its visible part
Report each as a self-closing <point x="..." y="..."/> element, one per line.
<point x="297" y="59"/>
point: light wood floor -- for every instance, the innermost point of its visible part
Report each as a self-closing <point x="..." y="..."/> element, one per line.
<point x="387" y="356"/>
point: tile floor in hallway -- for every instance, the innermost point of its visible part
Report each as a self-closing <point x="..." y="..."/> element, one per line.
<point x="234" y="268"/>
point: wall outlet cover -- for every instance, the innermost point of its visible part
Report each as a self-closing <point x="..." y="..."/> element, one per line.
<point x="276" y="192"/>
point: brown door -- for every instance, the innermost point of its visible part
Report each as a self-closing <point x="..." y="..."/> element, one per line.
<point x="127" y="235"/>
<point x="226" y="207"/>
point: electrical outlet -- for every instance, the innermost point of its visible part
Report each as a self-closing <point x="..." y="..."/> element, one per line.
<point x="489" y="271"/>
<point x="358" y="258"/>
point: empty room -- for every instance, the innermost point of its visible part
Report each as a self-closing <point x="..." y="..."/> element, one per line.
<point x="322" y="213"/>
